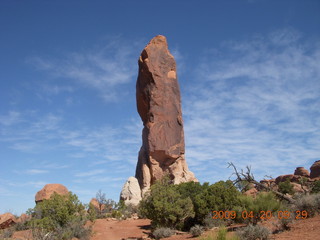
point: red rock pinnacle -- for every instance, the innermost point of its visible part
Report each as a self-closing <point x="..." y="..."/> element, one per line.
<point x="159" y="106"/>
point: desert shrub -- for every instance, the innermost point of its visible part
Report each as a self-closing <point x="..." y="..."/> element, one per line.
<point x="126" y="211"/>
<point x="60" y="217"/>
<point x="286" y="187"/>
<point x="253" y="232"/>
<point x="222" y="234"/>
<point x="284" y="223"/>
<point x="92" y="212"/>
<point x="162" y="233"/>
<point x="209" y="222"/>
<point x="165" y="206"/>
<point x="316" y="187"/>
<point x="6" y="233"/>
<point x="264" y="201"/>
<point x="20" y="226"/>
<point x="309" y="203"/>
<point x="196" y="230"/>
<point x="220" y="196"/>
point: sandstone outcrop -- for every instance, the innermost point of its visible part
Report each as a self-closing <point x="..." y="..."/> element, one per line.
<point x="7" y="220"/>
<point x="159" y="106"/>
<point x="131" y="192"/>
<point x="47" y="191"/>
<point x="95" y="203"/>
<point x="301" y="171"/>
<point x="315" y="170"/>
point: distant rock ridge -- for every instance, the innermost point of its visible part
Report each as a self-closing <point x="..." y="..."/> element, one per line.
<point x="296" y="178"/>
<point x="159" y="106"/>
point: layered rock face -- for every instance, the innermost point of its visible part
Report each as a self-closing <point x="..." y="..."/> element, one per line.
<point x="47" y="191"/>
<point x="159" y="106"/>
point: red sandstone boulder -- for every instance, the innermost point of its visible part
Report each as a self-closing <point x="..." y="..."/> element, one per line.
<point x="7" y="220"/>
<point x="301" y="171"/>
<point x="47" y="191"/>
<point x="159" y="106"/>
<point x="291" y="177"/>
<point x="251" y="192"/>
<point x="94" y="202"/>
<point x="315" y="170"/>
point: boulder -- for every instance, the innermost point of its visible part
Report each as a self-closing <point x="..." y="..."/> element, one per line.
<point x="297" y="187"/>
<point x="159" y="106"/>
<point x="131" y="192"/>
<point x="94" y="202"/>
<point x="251" y="192"/>
<point x="7" y="220"/>
<point x="291" y="177"/>
<point x="315" y="170"/>
<point x="47" y="191"/>
<point x="301" y="171"/>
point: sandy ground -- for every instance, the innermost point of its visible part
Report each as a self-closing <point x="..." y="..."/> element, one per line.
<point x="104" y="229"/>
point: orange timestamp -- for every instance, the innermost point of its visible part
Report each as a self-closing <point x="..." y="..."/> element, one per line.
<point x="263" y="215"/>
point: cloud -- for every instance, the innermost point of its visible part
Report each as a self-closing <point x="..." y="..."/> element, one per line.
<point x="256" y="103"/>
<point x="89" y="173"/>
<point x="104" y="69"/>
<point x="11" y="118"/>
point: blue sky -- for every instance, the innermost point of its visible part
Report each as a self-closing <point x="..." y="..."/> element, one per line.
<point x="249" y="73"/>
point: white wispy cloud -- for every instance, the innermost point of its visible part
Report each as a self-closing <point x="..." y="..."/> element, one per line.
<point x="90" y="173"/>
<point x="103" y="69"/>
<point x="11" y="118"/>
<point x="256" y="103"/>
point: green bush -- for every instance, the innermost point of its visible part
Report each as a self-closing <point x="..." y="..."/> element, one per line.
<point x="253" y="232"/>
<point x="286" y="187"/>
<point x="220" y="196"/>
<point x="196" y="230"/>
<point x="316" y="187"/>
<point x="165" y="206"/>
<point x="162" y="233"/>
<point x="264" y="201"/>
<point x="61" y="217"/>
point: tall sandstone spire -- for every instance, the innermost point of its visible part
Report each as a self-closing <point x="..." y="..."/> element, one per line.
<point x="159" y="106"/>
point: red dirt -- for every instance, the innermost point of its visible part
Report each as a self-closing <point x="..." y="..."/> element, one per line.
<point x="307" y="229"/>
<point x="104" y="229"/>
<point x="116" y="230"/>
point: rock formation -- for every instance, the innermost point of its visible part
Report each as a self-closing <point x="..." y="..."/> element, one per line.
<point x="159" y="106"/>
<point x="47" y="191"/>
<point x="7" y="220"/>
<point x="95" y="203"/>
<point x="301" y="171"/>
<point x="131" y="192"/>
<point x="315" y="170"/>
